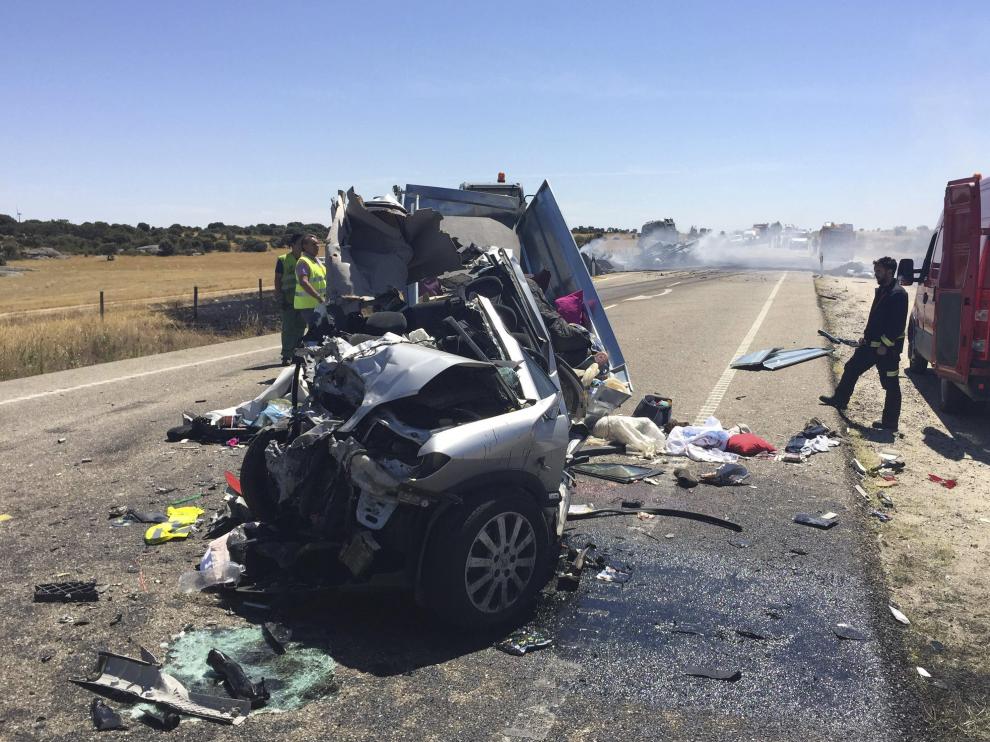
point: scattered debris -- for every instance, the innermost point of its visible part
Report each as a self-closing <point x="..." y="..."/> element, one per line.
<point x="144" y="680"/>
<point x="799" y="551"/>
<point x="688" y="628"/>
<point x="621" y="473"/>
<point x="5" y="517"/>
<point x="824" y="521"/>
<point x="947" y="483"/>
<point x="304" y="673"/>
<point x="727" y="475"/>
<point x="524" y="640"/>
<point x="923" y="672"/>
<point x="611" y="574"/>
<point x="713" y="672"/>
<point x="740" y="543"/>
<point x="181" y="522"/>
<point x="937" y="645"/>
<point x="105" y="719"/>
<point x="236" y="680"/>
<point x="860" y="469"/>
<point x="86" y="461"/>
<point x="66" y="592"/>
<point x="685" y="477"/>
<point x="899" y="616"/>
<point x="862" y="493"/>
<point x="882" y="516"/>
<point x="277" y="635"/>
<point x="775" y="358"/>
<point x="161" y="719"/>
<point x="845" y="631"/>
<point x="646" y="516"/>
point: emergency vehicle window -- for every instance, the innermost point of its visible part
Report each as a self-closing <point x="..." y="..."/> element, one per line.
<point x="955" y="261"/>
<point x="926" y="266"/>
<point x="936" y="257"/>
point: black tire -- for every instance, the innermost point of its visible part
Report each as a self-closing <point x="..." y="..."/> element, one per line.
<point x="475" y="595"/>
<point x="916" y="362"/>
<point x="257" y="486"/>
<point x="950" y="397"/>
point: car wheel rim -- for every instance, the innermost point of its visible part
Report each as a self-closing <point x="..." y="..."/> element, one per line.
<point x="500" y="562"/>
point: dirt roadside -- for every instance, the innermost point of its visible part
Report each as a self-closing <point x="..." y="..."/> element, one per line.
<point x="936" y="550"/>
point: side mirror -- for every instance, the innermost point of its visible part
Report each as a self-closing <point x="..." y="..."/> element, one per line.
<point x="905" y="271"/>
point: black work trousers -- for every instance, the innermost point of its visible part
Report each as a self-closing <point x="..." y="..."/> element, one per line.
<point x="888" y="366"/>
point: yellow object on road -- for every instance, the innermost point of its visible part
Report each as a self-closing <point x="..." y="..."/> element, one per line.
<point x="180" y="524"/>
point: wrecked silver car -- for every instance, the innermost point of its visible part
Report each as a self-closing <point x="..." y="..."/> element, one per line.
<point x="435" y="404"/>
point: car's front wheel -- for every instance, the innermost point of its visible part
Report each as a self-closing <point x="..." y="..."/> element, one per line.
<point x="487" y="561"/>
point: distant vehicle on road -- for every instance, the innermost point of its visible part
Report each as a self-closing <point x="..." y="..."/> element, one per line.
<point x="836" y="243"/>
<point x="949" y="325"/>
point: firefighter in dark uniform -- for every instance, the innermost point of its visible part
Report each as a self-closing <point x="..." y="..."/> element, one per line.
<point x="880" y="346"/>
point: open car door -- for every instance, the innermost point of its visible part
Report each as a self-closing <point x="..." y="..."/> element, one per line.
<point x="957" y="278"/>
<point x="546" y="243"/>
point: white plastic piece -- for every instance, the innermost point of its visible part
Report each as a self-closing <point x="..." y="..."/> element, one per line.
<point x="923" y="672"/>
<point x="899" y="616"/>
<point x="373" y="512"/>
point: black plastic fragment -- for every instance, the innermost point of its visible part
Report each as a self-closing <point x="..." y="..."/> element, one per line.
<point x="806" y="519"/>
<point x="845" y="631"/>
<point x="277" y="635"/>
<point x="66" y="592"/>
<point x="632" y="503"/>
<point x="236" y="680"/>
<point x="161" y="719"/>
<point x="105" y="719"/>
<point x="667" y="512"/>
<point x="714" y="673"/>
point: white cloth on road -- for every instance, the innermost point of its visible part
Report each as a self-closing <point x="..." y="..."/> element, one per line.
<point x="808" y="446"/>
<point x="639" y="434"/>
<point x="705" y="442"/>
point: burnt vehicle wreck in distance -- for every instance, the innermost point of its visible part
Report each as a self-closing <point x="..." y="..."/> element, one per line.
<point x="440" y="400"/>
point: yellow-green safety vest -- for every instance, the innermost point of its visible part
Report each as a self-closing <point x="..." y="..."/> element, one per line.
<point x="288" y="263"/>
<point x="317" y="279"/>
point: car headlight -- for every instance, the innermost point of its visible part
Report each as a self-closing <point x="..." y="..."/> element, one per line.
<point x="431" y="464"/>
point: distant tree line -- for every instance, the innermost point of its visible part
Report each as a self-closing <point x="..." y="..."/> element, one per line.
<point x="101" y="238"/>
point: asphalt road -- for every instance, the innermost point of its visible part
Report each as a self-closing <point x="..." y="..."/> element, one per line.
<point x="617" y="670"/>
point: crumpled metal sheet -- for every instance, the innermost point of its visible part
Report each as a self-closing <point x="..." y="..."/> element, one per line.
<point x="144" y="680"/>
<point x="754" y="359"/>
<point x="377" y="245"/>
<point x="785" y="358"/>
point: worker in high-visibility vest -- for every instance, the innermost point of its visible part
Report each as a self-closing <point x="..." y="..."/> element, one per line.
<point x="293" y="324"/>
<point x="311" y="278"/>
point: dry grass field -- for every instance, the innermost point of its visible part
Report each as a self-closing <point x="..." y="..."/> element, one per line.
<point x="78" y="280"/>
<point x="39" y="344"/>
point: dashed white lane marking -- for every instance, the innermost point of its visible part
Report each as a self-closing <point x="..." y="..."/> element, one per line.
<point x="128" y="377"/>
<point x="722" y="385"/>
<point x="675" y="283"/>
<point x="637" y="298"/>
<point x="662" y="293"/>
<point x="611" y="305"/>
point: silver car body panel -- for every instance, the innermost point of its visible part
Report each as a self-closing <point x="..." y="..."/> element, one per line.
<point x="395" y="368"/>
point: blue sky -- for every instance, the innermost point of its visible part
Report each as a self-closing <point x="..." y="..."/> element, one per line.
<point x="718" y="114"/>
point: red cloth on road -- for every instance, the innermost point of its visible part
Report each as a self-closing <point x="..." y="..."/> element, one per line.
<point x="748" y="444"/>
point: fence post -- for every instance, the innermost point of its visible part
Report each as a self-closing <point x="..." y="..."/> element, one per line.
<point x="195" y="303"/>
<point x="101" y="304"/>
<point x="261" y="303"/>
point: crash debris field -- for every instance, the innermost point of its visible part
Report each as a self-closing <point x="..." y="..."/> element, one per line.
<point x="443" y="519"/>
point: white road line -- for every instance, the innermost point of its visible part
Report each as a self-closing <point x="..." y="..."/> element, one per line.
<point x="611" y="305"/>
<point x="128" y="377"/>
<point x="722" y="385"/>
<point x="662" y="293"/>
<point x="637" y="298"/>
<point x="676" y="283"/>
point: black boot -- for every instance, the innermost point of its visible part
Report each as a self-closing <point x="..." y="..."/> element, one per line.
<point x="832" y="402"/>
